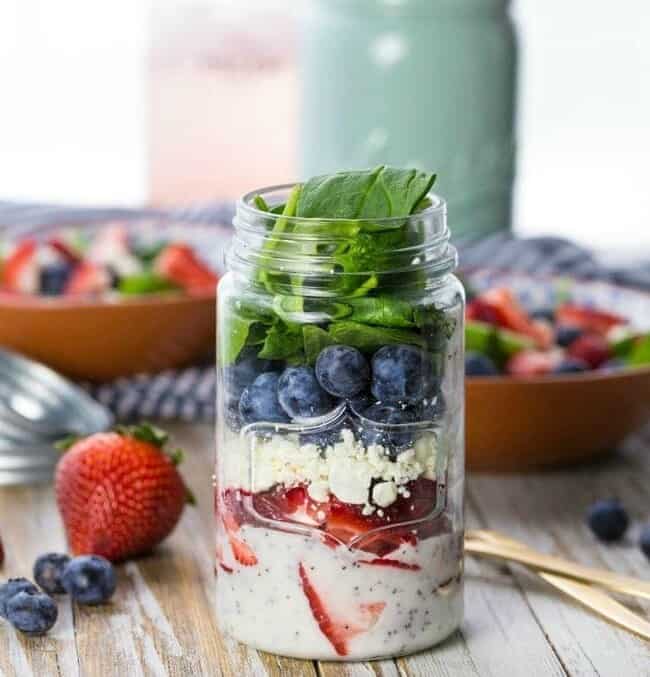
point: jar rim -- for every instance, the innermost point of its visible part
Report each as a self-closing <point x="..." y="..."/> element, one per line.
<point x="246" y="206"/>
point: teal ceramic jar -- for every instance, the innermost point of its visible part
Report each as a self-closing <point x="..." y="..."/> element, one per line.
<point x="427" y="83"/>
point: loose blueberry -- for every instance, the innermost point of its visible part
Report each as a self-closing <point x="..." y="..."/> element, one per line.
<point x="33" y="613"/>
<point x="608" y="519"/>
<point x="54" y="277"/>
<point x="566" y="335"/>
<point x="342" y="371"/>
<point x="387" y="435"/>
<point x="12" y="587"/>
<point x="401" y="373"/>
<point x="259" y="402"/>
<point x="477" y="364"/>
<point x="644" y="540"/>
<point x="300" y="393"/>
<point x="571" y="365"/>
<point x="546" y="314"/>
<point x="48" y="570"/>
<point x="89" y="579"/>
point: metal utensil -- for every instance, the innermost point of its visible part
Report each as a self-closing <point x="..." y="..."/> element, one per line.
<point x="37" y="407"/>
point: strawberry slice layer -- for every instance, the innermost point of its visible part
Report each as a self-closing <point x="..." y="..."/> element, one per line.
<point x="338" y="631"/>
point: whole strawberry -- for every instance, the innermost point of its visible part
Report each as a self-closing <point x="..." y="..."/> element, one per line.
<point x="119" y="493"/>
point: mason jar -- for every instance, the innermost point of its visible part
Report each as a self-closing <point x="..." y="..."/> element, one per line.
<point x="427" y="83"/>
<point x="340" y="458"/>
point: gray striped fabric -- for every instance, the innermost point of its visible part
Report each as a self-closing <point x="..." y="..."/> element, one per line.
<point x="189" y="394"/>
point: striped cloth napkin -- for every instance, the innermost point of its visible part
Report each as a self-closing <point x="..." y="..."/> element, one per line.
<point x="189" y="394"/>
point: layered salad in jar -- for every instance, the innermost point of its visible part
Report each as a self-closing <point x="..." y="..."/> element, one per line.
<point x="339" y="473"/>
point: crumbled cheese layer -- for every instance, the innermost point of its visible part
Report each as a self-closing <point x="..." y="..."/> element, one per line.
<point x="346" y="469"/>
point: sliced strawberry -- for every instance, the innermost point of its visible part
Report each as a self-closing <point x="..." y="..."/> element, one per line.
<point x="532" y="363"/>
<point x="242" y="552"/>
<point x="232" y="519"/>
<point x="347" y="522"/>
<point x="338" y="632"/>
<point x="88" y="279"/>
<point x="178" y="263"/>
<point x="587" y="319"/>
<point x="66" y="251"/>
<point x="500" y="306"/>
<point x="590" y="348"/>
<point x="20" y="269"/>
<point x="394" y="563"/>
<point x="292" y="505"/>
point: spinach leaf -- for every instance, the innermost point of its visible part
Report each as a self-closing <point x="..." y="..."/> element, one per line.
<point x="367" y="194"/>
<point x="145" y="283"/>
<point x="315" y="339"/>
<point x="381" y="310"/>
<point x="283" y="341"/>
<point x="640" y="354"/>
<point x="497" y="344"/>
<point x="261" y="204"/>
<point x="286" y="307"/>
<point x="236" y="335"/>
<point x="368" y="339"/>
<point x="436" y="324"/>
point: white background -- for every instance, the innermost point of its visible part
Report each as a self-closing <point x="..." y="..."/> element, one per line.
<point x="73" y="111"/>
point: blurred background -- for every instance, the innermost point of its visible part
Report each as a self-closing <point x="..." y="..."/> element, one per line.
<point x="535" y="111"/>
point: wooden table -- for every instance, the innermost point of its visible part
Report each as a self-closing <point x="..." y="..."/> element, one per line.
<point x="161" y="621"/>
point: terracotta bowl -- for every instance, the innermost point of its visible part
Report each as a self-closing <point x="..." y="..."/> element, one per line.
<point x="523" y="424"/>
<point x="100" y="341"/>
<point x="516" y="424"/>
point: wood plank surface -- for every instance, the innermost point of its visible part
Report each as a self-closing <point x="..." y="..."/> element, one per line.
<point x="161" y="621"/>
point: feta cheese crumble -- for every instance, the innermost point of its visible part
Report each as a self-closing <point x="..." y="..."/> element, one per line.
<point x="346" y="469"/>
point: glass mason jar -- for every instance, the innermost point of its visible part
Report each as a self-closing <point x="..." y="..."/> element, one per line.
<point x="340" y="458"/>
<point x="427" y="83"/>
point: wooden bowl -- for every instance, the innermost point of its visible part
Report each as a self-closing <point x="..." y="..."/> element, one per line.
<point x="519" y="424"/>
<point x="524" y="424"/>
<point x="102" y="340"/>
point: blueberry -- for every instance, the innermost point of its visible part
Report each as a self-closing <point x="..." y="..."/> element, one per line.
<point x="300" y="393"/>
<point x="12" y="587"/>
<point x="33" y="613"/>
<point x="644" y="540"/>
<point x="477" y="364"/>
<point x="360" y="402"/>
<point x="544" y="313"/>
<point x="430" y="410"/>
<point x="614" y="364"/>
<point x="246" y="369"/>
<point x="259" y="402"/>
<point x="393" y="438"/>
<point x="608" y="519"/>
<point x="401" y="373"/>
<point x="54" y="277"/>
<point x="48" y="569"/>
<point x="565" y="335"/>
<point x="571" y="365"/>
<point x="342" y="371"/>
<point x="89" y="579"/>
